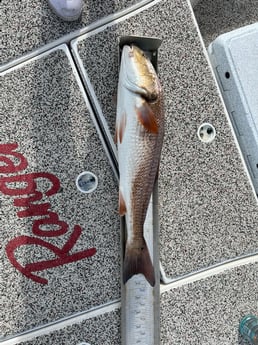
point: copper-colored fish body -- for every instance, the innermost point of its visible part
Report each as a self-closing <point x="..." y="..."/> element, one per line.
<point x="140" y="130"/>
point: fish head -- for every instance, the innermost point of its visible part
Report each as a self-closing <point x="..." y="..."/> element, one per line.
<point x="138" y="74"/>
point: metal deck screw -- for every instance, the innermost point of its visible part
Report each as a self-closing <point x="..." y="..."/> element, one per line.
<point x="86" y="182"/>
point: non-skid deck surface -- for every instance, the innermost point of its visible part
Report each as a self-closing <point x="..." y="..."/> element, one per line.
<point x="204" y="312"/>
<point x="29" y="25"/>
<point x="60" y="248"/>
<point x="217" y="17"/>
<point x="208" y="312"/>
<point x="208" y="213"/>
<point x="104" y="329"/>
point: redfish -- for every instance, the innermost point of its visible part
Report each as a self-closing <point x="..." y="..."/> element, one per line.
<point x="139" y="137"/>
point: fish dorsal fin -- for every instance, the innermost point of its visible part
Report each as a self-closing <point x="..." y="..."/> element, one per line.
<point x="122" y="205"/>
<point x="147" y="118"/>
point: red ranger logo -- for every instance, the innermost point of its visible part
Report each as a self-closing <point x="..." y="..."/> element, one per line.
<point x="25" y="195"/>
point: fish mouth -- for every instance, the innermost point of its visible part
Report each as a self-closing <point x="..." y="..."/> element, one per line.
<point x="131" y="50"/>
<point x="134" y="48"/>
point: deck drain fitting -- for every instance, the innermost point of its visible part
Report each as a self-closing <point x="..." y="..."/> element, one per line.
<point x="206" y="133"/>
<point x="86" y="182"/>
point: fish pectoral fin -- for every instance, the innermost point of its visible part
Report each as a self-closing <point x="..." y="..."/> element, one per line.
<point x="122" y="205"/>
<point x="122" y="126"/>
<point x="147" y="118"/>
<point x="138" y="261"/>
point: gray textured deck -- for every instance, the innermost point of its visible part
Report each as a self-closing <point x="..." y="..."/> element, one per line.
<point x="216" y="17"/>
<point x="104" y="329"/>
<point x="36" y="25"/>
<point x="45" y="114"/>
<point x="203" y="312"/>
<point x="208" y="311"/>
<point x="208" y="212"/>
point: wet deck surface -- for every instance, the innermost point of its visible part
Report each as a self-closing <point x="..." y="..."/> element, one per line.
<point x="66" y="279"/>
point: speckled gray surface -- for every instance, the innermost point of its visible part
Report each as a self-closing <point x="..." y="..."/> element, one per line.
<point x="207" y="312"/>
<point x="43" y="111"/>
<point x="220" y="16"/>
<point x="104" y="329"/>
<point x="208" y="212"/>
<point x="27" y="25"/>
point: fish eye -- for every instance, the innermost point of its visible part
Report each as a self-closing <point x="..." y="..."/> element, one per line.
<point x="150" y="97"/>
<point x="153" y="97"/>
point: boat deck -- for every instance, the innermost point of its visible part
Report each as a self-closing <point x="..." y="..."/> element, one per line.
<point x="61" y="284"/>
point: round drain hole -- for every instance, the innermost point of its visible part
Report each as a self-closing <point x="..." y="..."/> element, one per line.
<point x="86" y="182"/>
<point x="206" y="133"/>
<point x="83" y="344"/>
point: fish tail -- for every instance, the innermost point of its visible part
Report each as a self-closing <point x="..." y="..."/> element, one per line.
<point x="137" y="260"/>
